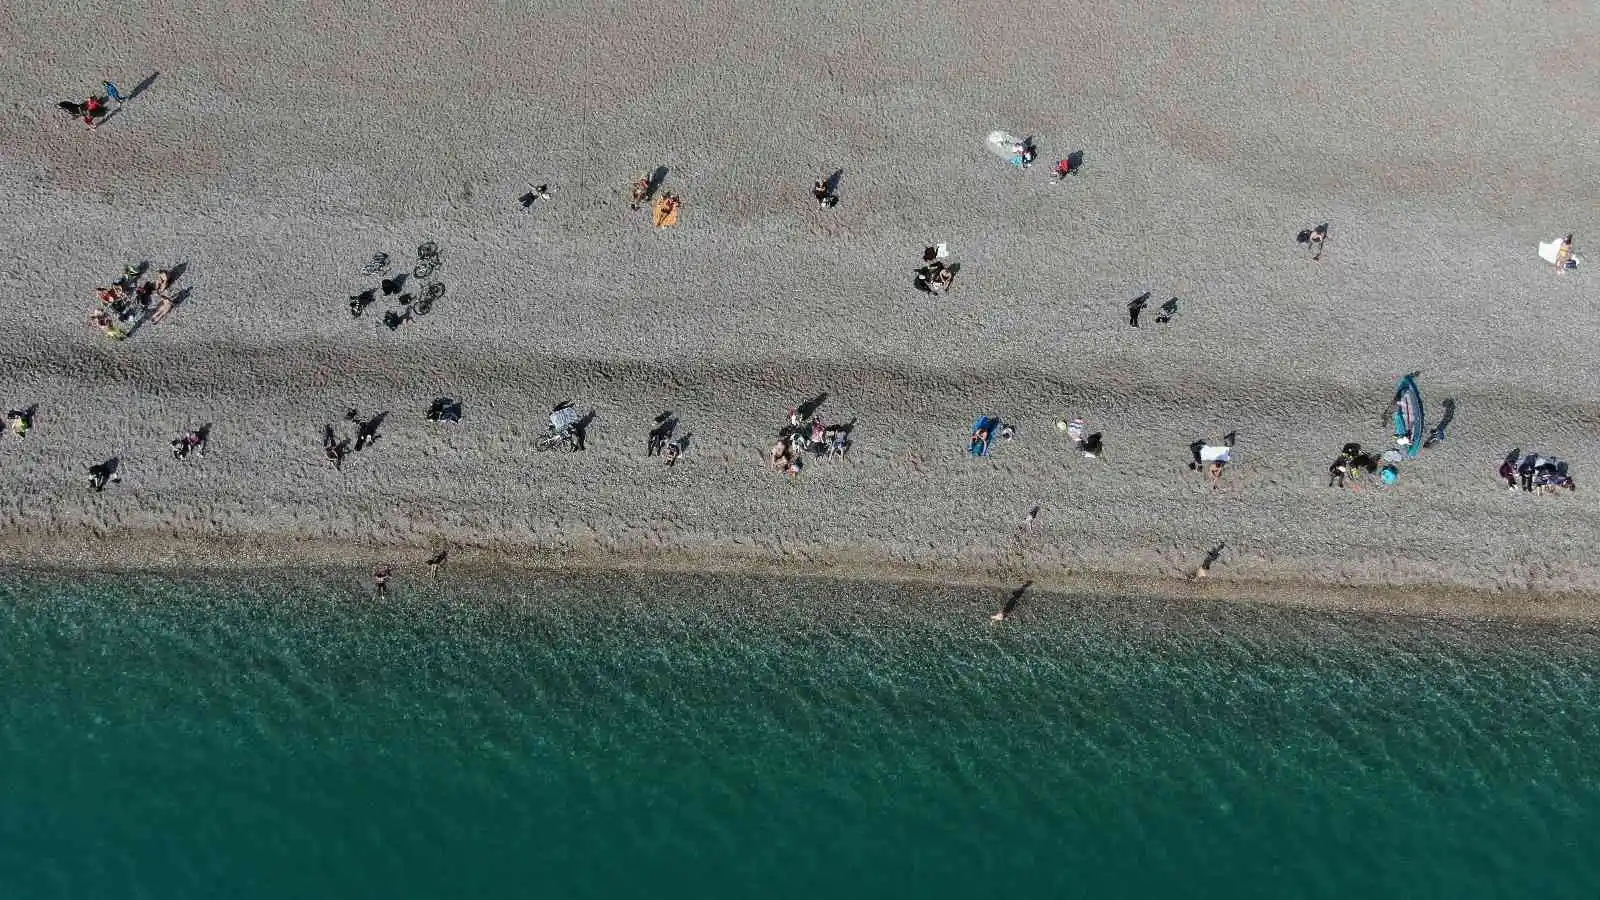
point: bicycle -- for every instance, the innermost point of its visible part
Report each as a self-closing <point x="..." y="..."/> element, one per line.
<point x="427" y="260"/>
<point x="554" y="438"/>
<point x="377" y="265"/>
<point x="424" y="304"/>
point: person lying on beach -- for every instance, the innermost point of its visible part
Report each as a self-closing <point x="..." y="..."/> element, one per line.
<point x="189" y="441"/>
<point x="163" y="308"/>
<point x="1213" y="457"/>
<point x="110" y="325"/>
<point x="1564" y="255"/>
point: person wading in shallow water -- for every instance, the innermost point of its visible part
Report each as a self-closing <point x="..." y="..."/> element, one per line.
<point x="380" y="580"/>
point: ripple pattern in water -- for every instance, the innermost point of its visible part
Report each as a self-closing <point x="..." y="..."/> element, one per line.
<point x="609" y="736"/>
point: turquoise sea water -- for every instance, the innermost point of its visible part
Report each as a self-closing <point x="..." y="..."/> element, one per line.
<point x="609" y="737"/>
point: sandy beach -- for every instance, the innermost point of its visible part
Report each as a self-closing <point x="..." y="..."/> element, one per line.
<point x="280" y="145"/>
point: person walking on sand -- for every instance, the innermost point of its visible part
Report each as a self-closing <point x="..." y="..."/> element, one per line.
<point x="112" y="93"/>
<point x="1135" y="307"/>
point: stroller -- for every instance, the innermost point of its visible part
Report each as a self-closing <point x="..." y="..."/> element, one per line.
<point x="566" y="429"/>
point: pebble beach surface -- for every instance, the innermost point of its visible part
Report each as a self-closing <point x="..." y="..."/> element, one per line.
<point x="279" y="145"/>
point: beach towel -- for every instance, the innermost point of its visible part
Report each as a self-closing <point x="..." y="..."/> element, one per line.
<point x="1548" y="250"/>
<point x="664" y="216"/>
<point x="1005" y="145"/>
<point x="1212" y="453"/>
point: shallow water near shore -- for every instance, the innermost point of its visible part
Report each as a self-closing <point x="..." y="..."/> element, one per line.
<point x="612" y="736"/>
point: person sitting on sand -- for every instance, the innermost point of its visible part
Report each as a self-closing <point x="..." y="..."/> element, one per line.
<point x="93" y="108"/>
<point x="671" y="451"/>
<point x="110" y="325"/>
<point x="782" y="458"/>
<point x="641" y="190"/>
<point x="823" y="194"/>
<point x="19" y="421"/>
<point x="101" y="474"/>
<point x="1508" y="471"/>
<point x="1213" y="457"/>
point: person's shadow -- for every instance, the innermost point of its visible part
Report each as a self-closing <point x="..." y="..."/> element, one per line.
<point x="367" y="431"/>
<point x="657" y="178"/>
<point x="104" y="473"/>
<point x="666" y="423"/>
<point x="142" y="86"/>
<point x="580" y="430"/>
<point x="810" y="407"/>
<point x="831" y="184"/>
<point x="1012" y="602"/>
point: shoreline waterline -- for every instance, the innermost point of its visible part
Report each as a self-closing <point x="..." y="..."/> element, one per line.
<point x="151" y="556"/>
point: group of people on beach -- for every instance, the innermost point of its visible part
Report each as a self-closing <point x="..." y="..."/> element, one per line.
<point x="805" y="433"/>
<point x="95" y="107"/>
<point x="130" y="301"/>
<point x="1535" y="473"/>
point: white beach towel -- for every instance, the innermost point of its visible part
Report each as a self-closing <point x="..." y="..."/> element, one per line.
<point x="1209" y="453"/>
